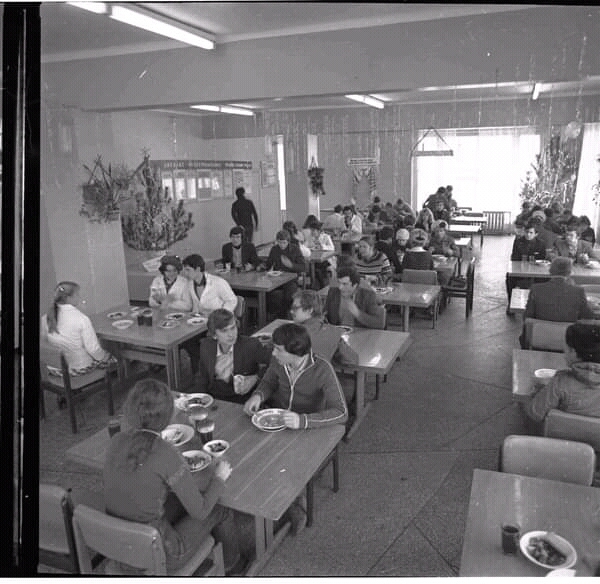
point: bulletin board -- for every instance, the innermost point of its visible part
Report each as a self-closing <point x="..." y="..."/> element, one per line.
<point x="203" y="180"/>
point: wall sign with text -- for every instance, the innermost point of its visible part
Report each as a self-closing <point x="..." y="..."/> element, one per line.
<point x="203" y="180"/>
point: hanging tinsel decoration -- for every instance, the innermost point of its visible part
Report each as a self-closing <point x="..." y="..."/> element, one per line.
<point x="315" y="174"/>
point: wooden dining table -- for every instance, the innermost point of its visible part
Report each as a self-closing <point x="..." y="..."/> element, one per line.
<point x="377" y="351"/>
<point x="259" y="282"/>
<point x="533" y="504"/>
<point x="150" y="344"/>
<point x="269" y="469"/>
<point x="524" y="364"/>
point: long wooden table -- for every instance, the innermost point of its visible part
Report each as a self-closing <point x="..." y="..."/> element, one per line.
<point x="258" y="282"/>
<point x="461" y="230"/>
<point x="270" y="469"/>
<point x="151" y="344"/>
<point x="524" y="363"/>
<point x="534" y="504"/>
<point x="377" y="352"/>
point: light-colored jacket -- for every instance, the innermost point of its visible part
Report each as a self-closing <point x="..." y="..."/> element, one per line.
<point x="216" y="294"/>
<point x="76" y="337"/>
<point x="179" y="294"/>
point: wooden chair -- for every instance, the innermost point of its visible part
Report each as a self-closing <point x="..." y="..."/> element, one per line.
<point x="241" y="313"/>
<point x="459" y="289"/>
<point x="423" y="277"/>
<point x="559" y="424"/>
<point x="545" y="335"/>
<point x="310" y="487"/>
<point x="135" y="544"/>
<point x="73" y="388"/>
<point x="549" y="458"/>
<point x="56" y="539"/>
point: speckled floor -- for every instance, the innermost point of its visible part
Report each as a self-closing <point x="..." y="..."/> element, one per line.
<point x="406" y="473"/>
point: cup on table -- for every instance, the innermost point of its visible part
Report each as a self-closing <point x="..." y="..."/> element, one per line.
<point x="228" y="266"/>
<point x="532" y="259"/>
<point x="524" y="258"/>
<point x="197" y="414"/>
<point x="510" y="538"/>
<point x="206" y="429"/>
<point x="147" y="317"/>
<point x="140" y="319"/>
<point x="114" y="426"/>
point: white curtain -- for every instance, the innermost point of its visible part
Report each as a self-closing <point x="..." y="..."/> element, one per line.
<point x="588" y="174"/>
<point x="486" y="169"/>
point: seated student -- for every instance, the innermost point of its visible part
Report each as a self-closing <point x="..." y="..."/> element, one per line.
<point x="451" y="202"/>
<point x="142" y="471"/>
<point x="296" y="238"/>
<point x="586" y="233"/>
<point x="239" y="253"/>
<point x="404" y="209"/>
<point x="335" y="221"/>
<point x="525" y="212"/>
<point x="570" y="246"/>
<point x="352" y="221"/>
<point x="417" y="257"/>
<point x="544" y="234"/>
<point x="225" y="354"/>
<point x="307" y="232"/>
<point x="352" y="304"/>
<point x="440" y="212"/>
<point x="424" y="220"/>
<point x="576" y="389"/>
<point x="371" y="264"/>
<point x="377" y="216"/>
<point x="528" y="245"/>
<point x="321" y="241"/>
<point x="208" y="291"/>
<point x="170" y="291"/>
<point x="385" y="245"/>
<point x="558" y="299"/>
<point x="550" y="223"/>
<point x="306" y="310"/>
<point x="306" y="386"/>
<point x="439" y="195"/>
<point x="286" y="258"/>
<point x="65" y="327"/>
<point x="440" y="242"/>
<point x="400" y="245"/>
<point x="391" y="213"/>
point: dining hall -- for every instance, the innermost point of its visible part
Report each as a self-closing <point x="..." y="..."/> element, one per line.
<point x="316" y="289"/>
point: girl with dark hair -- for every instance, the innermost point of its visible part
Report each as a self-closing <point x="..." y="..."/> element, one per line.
<point x="64" y="326"/>
<point x="142" y="470"/>
<point x="587" y="233"/>
<point x="169" y="290"/>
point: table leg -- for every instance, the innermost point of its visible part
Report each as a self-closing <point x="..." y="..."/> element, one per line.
<point x="313" y="274"/>
<point x="361" y="407"/>
<point x="262" y="309"/>
<point x="405" y="318"/>
<point x="481" y="237"/>
<point x="266" y="542"/>
<point x="175" y="364"/>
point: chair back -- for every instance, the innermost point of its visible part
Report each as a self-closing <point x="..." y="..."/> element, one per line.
<point x="545" y="335"/>
<point x="135" y="544"/>
<point x="559" y="424"/>
<point x="56" y="539"/>
<point x="419" y="276"/>
<point x="240" y="308"/>
<point x="549" y="458"/>
<point x="51" y="356"/>
<point x="591" y="288"/>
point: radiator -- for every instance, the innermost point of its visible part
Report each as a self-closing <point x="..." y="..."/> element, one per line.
<point x="497" y="221"/>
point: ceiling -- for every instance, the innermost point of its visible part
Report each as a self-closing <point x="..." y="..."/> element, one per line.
<point x="70" y="33"/>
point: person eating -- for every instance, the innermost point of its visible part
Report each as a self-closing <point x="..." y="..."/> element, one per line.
<point x="239" y="253"/>
<point x="373" y="265"/>
<point x="169" y="291"/>
<point x="230" y="363"/>
<point x="570" y="246"/>
<point x="440" y="242"/>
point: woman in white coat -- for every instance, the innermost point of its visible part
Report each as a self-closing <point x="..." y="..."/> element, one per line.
<point x="170" y="290"/>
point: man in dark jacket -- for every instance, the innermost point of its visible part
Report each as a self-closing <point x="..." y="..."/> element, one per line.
<point x="239" y="253"/>
<point x="384" y="244"/>
<point x="243" y="212"/>
<point x="528" y="245"/>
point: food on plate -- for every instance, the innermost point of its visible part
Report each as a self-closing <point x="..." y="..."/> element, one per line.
<point x="545" y="552"/>
<point x="197" y="459"/>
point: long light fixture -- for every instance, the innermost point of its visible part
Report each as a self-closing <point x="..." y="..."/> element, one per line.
<point x="367" y="100"/>
<point x="224" y="109"/>
<point x="140" y="17"/>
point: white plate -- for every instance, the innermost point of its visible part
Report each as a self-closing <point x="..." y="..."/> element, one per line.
<point x="167" y="324"/>
<point x="593" y="265"/>
<point x="197" y="320"/>
<point x="134" y="309"/>
<point x="542" y="262"/>
<point x="177" y="434"/>
<point x="222" y="271"/>
<point x="269" y="420"/>
<point x="117" y="314"/>
<point x="202" y="399"/>
<point x="346" y="329"/>
<point x="274" y="273"/>
<point x="216" y="448"/>
<point x="122" y="324"/>
<point x="197" y="459"/>
<point x="175" y="316"/>
<point x="384" y="290"/>
<point x="570" y="560"/>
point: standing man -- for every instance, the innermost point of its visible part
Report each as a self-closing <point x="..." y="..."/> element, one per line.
<point x="243" y="212"/>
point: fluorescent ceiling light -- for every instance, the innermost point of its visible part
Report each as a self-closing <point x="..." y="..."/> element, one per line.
<point x="367" y="100"/>
<point x="95" y="7"/>
<point x="536" y="91"/>
<point x="224" y="109"/>
<point x="159" y="25"/>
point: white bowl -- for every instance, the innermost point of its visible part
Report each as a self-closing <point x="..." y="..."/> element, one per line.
<point x="544" y="375"/>
<point x="122" y="324"/>
<point x="197" y="459"/>
<point x="216" y="448"/>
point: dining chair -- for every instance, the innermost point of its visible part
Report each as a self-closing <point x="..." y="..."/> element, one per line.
<point x="332" y="458"/>
<point x="548" y="458"/>
<point x="55" y="530"/>
<point x="241" y="313"/>
<point x="458" y="288"/>
<point x="74" y="388"/>
<point x="410" y="276"/>
<point x="137" y="545"/>
<point x="545" y="335"/>
<point x="559" y="424"/>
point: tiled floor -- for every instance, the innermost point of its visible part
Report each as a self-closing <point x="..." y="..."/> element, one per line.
<point x="406" y="473"/>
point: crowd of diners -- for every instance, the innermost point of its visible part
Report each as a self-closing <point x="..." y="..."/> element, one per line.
<point x="556" y="235"/>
